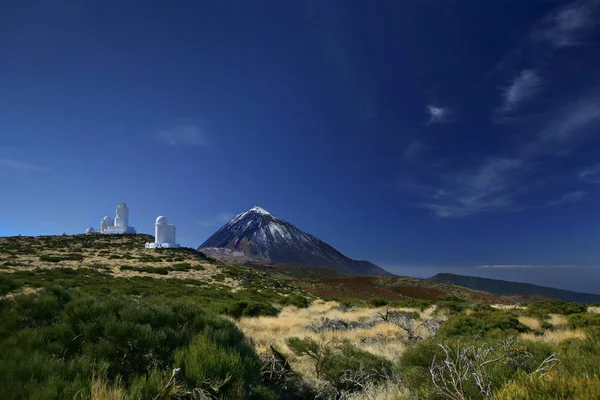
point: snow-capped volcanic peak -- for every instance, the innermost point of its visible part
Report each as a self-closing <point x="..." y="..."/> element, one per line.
<point x="260" y="210"/>
<point x="264" y="239"/>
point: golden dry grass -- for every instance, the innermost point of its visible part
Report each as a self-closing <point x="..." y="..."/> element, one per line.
<point x="555" y="337"/>
<point x="594" y="310"/>
<point x="384" y="339"/>
<point x="385" y="391"/>
<point x="558" y="320"/>
<point x="101" y="391"/>
<point x="508" y="307"/>
<point x="25" y="290"/>
<point x="531" y="323"/>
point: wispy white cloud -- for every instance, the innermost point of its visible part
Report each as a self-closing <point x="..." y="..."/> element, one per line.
<point x="522" y="88"/>
<point x="414" y="150"/>
<point x="568" y="25"/>
<point x="184" y="135"/>
<point x="571" y="197"/>
<point x="561" y="133"/>
<point x="439" y="114"/>
<point x="216" y="220"/>
<point x="496" y="183"/>
<point x="532" y="266"/>
<point x="487" y="187"/>
<point x="590" y="174"/>
<point x="20" y="165"/>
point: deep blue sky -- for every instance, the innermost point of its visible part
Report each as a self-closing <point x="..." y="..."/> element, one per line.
<point x="412" y="133"/>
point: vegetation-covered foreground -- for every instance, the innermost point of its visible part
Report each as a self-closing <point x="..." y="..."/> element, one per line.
<point x="99" y="317"/>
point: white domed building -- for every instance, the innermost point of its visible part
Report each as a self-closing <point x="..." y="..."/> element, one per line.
<point x="120" y="225"/>
<point x="164" y="235"/>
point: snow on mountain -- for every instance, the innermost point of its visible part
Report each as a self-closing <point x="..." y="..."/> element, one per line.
<point x="256" y="236"/>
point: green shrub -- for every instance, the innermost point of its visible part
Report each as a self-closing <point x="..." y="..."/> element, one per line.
<point x="54" y="343"/>
<point x="413" y="303"/>
<point x="545" y="307"/>
<point x="349" y="368"/>
<point x="147" y="270"/>
<point x="378" y="302"/>
<point x="295" y="300"/>
<point x="493" y="324"/>
<point x="262" y="393"/>
<point x="56" y="259"/>
<point x="7" y="284"/>
<point x="549" y="387"/>
<point x="546" y="325"/>
<point x="414" y="364"/>
<point x="581" y="358"/>
<point x="181" y="267"/>
<point x="250" y="309"/>
<point x="584" y="320"/>
<point x="219" y="360"/>
<point x="148" y="258"/>
<point x="453" y="306"/>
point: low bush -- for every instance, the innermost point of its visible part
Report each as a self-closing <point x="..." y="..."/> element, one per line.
<point x="413" y="303"/>
<point x="147" y="270"/>
<point x="53" y="344"/>
<point x="549" y="387"/>
<point x="581" y="358"/>
<point x="219" y="362"/>
<point x="493" y="363"/>
<point x="492" y="324"/>
<point x="343" y="365"/>
<point x="349" y="368"/>
<point x="181" y="267"/>
<point x="56" y="259"/>
<point x="7" y="284"/>
<point x="584" y="320"/>
<point x="545" y="307"/>
<point x="378" y="302"/>
<point x="250" y="309"/>
<point x="295" y="300"/>
<point x="148" y="258"/>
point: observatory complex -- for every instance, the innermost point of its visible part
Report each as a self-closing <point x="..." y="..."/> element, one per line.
<point x="164" y="235"/>
<point x="118" y="226"/>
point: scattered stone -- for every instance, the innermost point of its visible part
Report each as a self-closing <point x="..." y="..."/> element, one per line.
<point x="338" y="324"/>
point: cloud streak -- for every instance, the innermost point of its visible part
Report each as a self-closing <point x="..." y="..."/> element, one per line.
<point x="590" y="174"/>
<point x="216" y="220"/>
<point x="571" y="197"/>
<point x="496" y="183"/>
<point x="523" y="87"/>
<point x="184" y="135"/>
<point x="567" y="26"/>
<point x="19" y="165"/>
<point x="439" y="114"/>
<point x="532" y="266"/>
<point x="484" y="188"/>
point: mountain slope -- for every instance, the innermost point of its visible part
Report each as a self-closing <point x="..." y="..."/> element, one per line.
<point x="257" y="237"/>
<point x="501" y="287"/>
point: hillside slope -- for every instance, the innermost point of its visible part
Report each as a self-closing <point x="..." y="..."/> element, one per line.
<point x="501" y="287"/>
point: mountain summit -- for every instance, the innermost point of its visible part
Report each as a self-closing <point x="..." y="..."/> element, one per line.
<point x="257" y="237"/>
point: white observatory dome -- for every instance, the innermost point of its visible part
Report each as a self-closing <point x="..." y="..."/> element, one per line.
<point x="161" y="220"/>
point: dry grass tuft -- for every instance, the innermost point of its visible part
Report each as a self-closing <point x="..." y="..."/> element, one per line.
<point x="101" y="391"/>
<point x="384" y="339"/>
<point x="531" y="323"/>
<point x="555" y="337"/>
<point x="594" y="310"/>
<point x="386" y="391"/>
<point x="508" y="307"/>
<point x="558" y="320"/>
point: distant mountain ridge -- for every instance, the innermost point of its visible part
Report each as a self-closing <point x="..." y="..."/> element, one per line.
<point x="500" y="287"/>
<point x="257" y="237"/>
